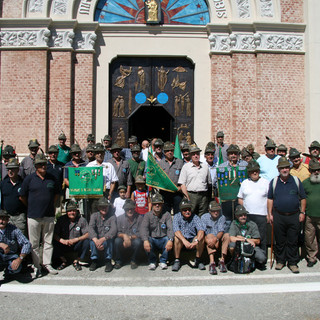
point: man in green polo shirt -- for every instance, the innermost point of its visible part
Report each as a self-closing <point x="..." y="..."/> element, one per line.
<point x="312" y="226"/>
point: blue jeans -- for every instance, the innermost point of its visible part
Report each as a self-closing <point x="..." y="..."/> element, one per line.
<point x="108" y="248"/>
<point x="158" y="244"/>
<point x="6" y="261"/>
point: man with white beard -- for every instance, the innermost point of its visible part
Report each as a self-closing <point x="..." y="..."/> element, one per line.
<point x="312" y="226"/>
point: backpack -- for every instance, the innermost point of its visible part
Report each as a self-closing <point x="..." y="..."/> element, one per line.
<point x="242" y="260"/>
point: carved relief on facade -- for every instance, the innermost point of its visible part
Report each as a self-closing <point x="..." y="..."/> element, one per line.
<point x="244" y="9"/>
<point x="121" y="138"/>
<point x="120" y="81"/>
<point x="63" y="39"/>
<point x="162" y="77"/>
<point x="256" y="41"/>
<point x="266" y="8"/>
<point x="35" y="6"/>
<point x="30" y="38"/>
<point x="59" y="7"/>
<point x="85" y="40"/>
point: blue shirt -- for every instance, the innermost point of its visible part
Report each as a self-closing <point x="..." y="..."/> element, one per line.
<point x="71" y="165"/>
<point x="213" y="226"/>
<point x="286" y="196"/>
<point x="10" y="197"/>
<point x="188" y="227"/>
<point x="14" y="238"/>
<point x="40" y="194"/>
<point x="268" y="167"/>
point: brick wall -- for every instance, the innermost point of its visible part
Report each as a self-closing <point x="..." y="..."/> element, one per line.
<point x="23" y="97"/>
<point x="266" y="92"/>
<point x="83" y="99"/>
<point x="12" y="8"/>
<point x="281" y="99"/>
<point x="60" y="95"/>
<point x="221" y="93"/>
<point x="292" y="11"/>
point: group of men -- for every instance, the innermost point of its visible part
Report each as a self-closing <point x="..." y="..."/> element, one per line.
<point x="252" y="190"/>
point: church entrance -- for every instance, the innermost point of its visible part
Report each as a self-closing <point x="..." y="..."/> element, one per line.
<point x="151" y="97"/>
<point x="151" y="122"/>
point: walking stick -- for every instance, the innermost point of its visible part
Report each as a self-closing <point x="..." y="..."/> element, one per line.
<point x="271" y="255"/>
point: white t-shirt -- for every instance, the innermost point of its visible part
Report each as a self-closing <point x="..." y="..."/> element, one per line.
<point x="109" y="173"/>
<point x="254" y="195"/>
<point x="118" y="204"/>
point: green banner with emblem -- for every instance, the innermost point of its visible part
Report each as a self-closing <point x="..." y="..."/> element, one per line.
<point x="85" y="182"/>
<point x="157" y="178"/>
<point x="229" y="181"/>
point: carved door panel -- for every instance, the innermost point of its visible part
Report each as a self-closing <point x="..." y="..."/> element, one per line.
<point x="148" y="84"/>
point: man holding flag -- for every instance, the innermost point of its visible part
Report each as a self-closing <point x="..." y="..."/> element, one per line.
<point x="172" y="166"/>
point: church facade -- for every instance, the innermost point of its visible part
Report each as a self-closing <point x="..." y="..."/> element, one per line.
<point x="159" y="68"/>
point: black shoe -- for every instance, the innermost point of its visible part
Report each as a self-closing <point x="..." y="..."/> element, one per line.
<point x="176" y="265"/>
<point x="133" y="265"/>
<point x="93" y="266"/>
<point x="118" y="265"/>
<point x="198" y="264"/>
<point x="310" y="264"/>
<point x="109" y="266"/>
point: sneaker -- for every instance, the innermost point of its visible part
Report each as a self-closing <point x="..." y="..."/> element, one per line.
<point x="294" y="268"/>
<point x="117" y="265"/>
<point x="222" y="266"/>
<point x="310" y="263"/>
<point x="279" y="266"/>
<point x="109" y="266"/>
<point x="93" y="265"/>
<point x="152" y="266"/>
<point x="198" y="264"/>
<point x="133" y="265"/>
<point x="37" y="273"/>
<point x="212" y="269"/>
<point x="163" y="266"/>
<point x="50" y="269"/>
<point x="176" y="265"/>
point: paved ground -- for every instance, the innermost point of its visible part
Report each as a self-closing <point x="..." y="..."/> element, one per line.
<point x="164" y="295"/>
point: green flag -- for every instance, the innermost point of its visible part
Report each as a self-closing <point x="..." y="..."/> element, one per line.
<point x="85" y="182"/>
<point x="177" y="150"/>
<point x="220" y="157"/>
<point x="156" y="177"/>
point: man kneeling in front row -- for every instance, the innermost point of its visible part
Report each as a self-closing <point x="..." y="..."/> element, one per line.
<point x="216" y="237"/>
<point x="246" y="231"/>
<point x="71" y="234"/>
<point x="189" y="233"/>
<point x="14" y="246"/>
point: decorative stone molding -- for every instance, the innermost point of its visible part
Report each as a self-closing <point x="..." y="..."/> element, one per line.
<point x="244" y="9"/>
<point x="266" y="8"/>
<point x="253" y="42"/>
<point x="63" y="39"/>
<point x="85" y="41"/>
<point x="35" y="6"/>
<point x="26" y="38"/>
<point x="59" y="7"/>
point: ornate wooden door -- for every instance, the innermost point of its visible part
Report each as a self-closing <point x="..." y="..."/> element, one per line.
<point x="151" y="97"/>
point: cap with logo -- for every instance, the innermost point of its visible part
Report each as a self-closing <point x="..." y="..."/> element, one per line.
<point x="283" y="163"/>
<point x="75" y="148"/>
<point x="13" y="163"/>
<point x="62" y="136"/>
<point x="53" y="149"/>
<point x="240" y="210"/>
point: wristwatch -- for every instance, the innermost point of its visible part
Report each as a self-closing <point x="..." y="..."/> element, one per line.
<point x="196" y="240"/>
<point x="21" y="257"/>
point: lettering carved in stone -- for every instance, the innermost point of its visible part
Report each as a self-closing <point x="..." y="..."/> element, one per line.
<point x="85" y="7"/>
<point x="60" y="7"/>
<point x="243" y="8"/>
<point x="220" y="7"/>
<point x="35" y="5"/>
<point x="266" y="8"/>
